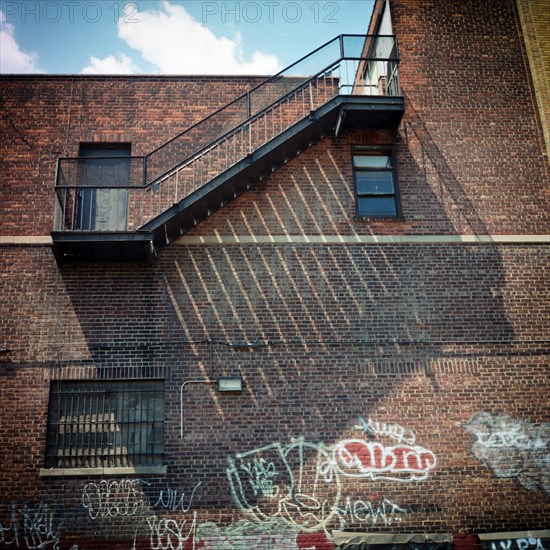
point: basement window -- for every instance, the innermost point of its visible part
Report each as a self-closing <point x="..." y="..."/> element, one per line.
<point x="105" y="424"/>
<point x="375" y="184"/>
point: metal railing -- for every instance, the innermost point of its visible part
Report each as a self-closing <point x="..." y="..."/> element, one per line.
<point x="346" y="65"/>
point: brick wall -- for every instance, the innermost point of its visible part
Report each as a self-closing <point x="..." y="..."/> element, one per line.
<point x="387" y="387"/>
<point x="45" y="117"/>
<point x="429" y="342"/>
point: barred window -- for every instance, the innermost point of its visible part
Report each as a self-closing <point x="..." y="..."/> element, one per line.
<point x="104" y="424"/>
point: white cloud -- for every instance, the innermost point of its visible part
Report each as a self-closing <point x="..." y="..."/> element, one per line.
<point x="12" y="58"/>
<point x="112" y="64"/>
<point x="176" y="43"/>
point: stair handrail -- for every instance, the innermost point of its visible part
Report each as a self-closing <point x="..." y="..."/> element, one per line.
<point x="212" y="144"/>
<point x="247" y="93"/>
<point x="339" y="40"/>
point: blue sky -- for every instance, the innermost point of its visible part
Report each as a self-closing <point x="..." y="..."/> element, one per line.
<point x="169" y="36"/>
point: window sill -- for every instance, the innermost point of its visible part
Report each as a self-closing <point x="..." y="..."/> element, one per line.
<point x="379" y="219"/>
<point x="59" y="472"/>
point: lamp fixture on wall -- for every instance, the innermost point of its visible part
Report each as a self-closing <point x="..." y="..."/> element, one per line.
<point x="230" y="384"/>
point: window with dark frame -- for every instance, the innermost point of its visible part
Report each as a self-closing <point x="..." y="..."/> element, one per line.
<point x="375" y="183"/>
<point x="105" y="424"/>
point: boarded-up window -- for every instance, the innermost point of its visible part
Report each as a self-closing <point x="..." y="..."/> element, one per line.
<point x="105" y="424"/>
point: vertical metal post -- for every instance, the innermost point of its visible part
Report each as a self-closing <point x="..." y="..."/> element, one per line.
<point x="57" y="214"/>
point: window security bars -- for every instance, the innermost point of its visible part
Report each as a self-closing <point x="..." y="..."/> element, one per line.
<point x="105" y="424"/>
<point x="346" y="65"/>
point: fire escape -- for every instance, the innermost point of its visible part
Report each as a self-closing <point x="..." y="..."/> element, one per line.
<point x="129" y="208"/>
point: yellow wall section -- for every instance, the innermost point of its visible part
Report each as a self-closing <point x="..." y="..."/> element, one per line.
<point x="535" y="22"/>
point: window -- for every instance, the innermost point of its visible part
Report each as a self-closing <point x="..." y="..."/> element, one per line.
<point x="375" y="186"/>
<point x="103" y="174"/>
<point x="105" y="424"/>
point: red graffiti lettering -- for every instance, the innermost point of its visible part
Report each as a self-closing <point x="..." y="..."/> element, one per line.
<point x="358" y="458"/>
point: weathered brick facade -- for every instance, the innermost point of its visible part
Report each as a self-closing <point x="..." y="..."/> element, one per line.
<point x="395" y="372"/>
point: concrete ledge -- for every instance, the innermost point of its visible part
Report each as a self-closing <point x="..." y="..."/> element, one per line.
<point x="362" y="239"/>
<point x="27" y="240"/>
<point x="317" y="239"/>
<point x="343" y="537"/>
<point x="140" y="470"/>
<point x="545" y="534"/>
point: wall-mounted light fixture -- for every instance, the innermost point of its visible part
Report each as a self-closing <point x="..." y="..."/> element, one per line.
<point x="231" y="383"/>
<point x="226" y="384"/>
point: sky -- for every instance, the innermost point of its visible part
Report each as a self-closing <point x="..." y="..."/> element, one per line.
<point x="169" y="36"/>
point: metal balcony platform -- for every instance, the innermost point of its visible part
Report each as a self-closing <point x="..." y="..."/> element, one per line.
<point x="104" y="246"/>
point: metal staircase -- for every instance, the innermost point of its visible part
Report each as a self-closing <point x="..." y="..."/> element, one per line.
<point x="131" y="208"/>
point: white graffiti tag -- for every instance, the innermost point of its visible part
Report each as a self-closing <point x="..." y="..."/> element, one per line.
<point x="518" y="544"/>
<point x="513" y="448"/>
<point x="114" y="498"/>
<point x="395" y="431"/>
<point x="358" y="458"/>
<point x="172" y="499"/>
<point x="168" y="534"/>
<point x="286" y="483"/>
<point x="261" y="476"/>
<point x="37" y="528"/>
<point x="386" y="512"/>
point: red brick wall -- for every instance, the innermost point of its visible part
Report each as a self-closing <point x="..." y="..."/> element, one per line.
<point x="421" y="338"/>
<point x="471" y="121"/>
<point x="45" y="117"/>
<point x="444" y="347"/>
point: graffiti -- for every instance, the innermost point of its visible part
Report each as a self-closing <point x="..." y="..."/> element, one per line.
<point x="285" y="482"/>
<point x="23" y="525"/>
<point x="395" y="431"/>
<point x="267" y="535"/>
<point x="271" y="534"/>
<point x="36" y="528"/>
<point x="169" y="534"/>
<point x="358" y="458"/>
<point x="261" y="477"/>
<point x="517" y="544"/>
<point x="9" y="534"/>
<point x="291" y="494"/>
<point x="513" y="448"/>
<point x="114" y="498"/>
<point x="301" y="482"/>
<point x="172" y="499"/>
<point x="386" y="512"/>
